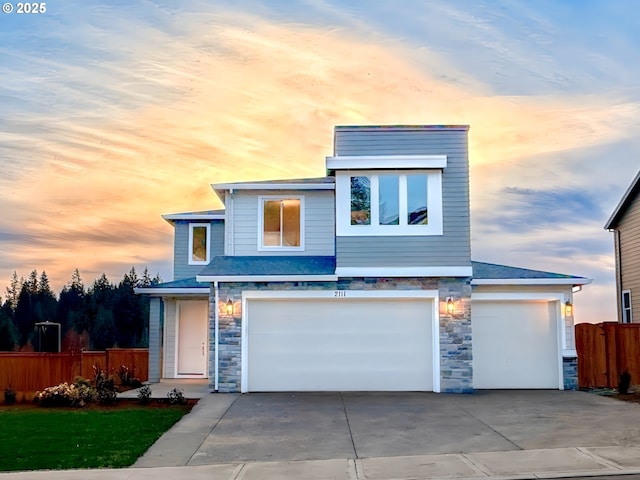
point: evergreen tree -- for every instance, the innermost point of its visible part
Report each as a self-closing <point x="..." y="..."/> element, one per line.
<point x="100" y="314"/>
<point x="71" y="314"/>
<point x="13" y="290"/>
<point x="8" y="331"/>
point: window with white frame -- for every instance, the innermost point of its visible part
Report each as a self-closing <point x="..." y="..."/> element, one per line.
<point x="199" y="243"/>
<point x="281" y="223"/>
<point x="627" y="314"/>
<point x="394" y="203"/>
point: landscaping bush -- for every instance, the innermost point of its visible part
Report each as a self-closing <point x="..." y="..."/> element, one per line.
<point x="144" y="395"/>
<point x="105" y="386"/>
<point x="176" y="397"/>
<point x="625" y="382"/>
<point x="9" y="396"/>
<point x="128" y="378"/>
<point x="77" y="394"/>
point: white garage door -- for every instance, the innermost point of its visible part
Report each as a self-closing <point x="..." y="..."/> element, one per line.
<point x="515" y="345"/>
<point x="339" y="345"/>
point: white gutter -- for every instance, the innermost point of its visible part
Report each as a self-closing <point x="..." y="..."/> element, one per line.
<point x="171" y="291"/>
<point x="531" y="281"/>
<point x="216" y="296"/>
<point x="266" y="278"/>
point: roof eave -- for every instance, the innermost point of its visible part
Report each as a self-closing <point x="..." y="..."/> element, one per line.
<point x="622" y="205"/>
<point x="171" y="291"/>
<point x="531" y="281"/>
<point x="267" y="278"/>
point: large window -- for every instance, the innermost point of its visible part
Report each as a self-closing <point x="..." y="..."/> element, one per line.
<point x="199" y="248"/>
<point x="627" y="314"/>
<point x="281" y="223"/>
<point x="407" y="203"/>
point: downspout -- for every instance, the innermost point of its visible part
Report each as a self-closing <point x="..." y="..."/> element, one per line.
<point x="216" y="299"/>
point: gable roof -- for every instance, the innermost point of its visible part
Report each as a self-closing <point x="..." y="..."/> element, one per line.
<point x="627" y="198"/>
<point x="494" y="274"/>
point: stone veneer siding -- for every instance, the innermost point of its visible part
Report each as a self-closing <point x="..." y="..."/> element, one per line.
<point x="570" y="373"/>
<point x="455" y="330"/>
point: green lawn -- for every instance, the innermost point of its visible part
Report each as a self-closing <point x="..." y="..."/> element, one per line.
<point x="50" y="438"/>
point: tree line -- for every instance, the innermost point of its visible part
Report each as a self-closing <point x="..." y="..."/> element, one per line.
<point x="104" y="315"/>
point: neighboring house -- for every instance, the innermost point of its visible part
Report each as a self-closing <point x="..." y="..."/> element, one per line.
<point x="625" y="224"/>
<point x="360" y="280"/>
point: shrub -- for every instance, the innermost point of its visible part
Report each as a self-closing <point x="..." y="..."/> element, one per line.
<point x="144" y="395"/>
<point x="176" y="397"/>
<point x="105" y="386"/>
<point x="9" y="396"/>
<point x="128" y="378"/>
<point x="78" y="394"/>
<point x="625" y="381"/>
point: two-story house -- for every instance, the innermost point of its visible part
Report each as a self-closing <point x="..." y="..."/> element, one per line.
<point x="359" y="280"/>
<point x="625" y="225"/>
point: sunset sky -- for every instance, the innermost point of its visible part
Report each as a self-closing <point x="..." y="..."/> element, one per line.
<point x="113" y="113"/>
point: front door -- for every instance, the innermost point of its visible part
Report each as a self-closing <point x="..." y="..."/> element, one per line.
<point x="192" y="338"/>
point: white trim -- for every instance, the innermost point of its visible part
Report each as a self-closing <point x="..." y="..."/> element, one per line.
<point x="266" y="278"/>
<point x="531" y="281"/>
<point x="195" y="216"/>
<point x="273" y="186"/>
<point x="385" y="161"/>
<point x="434" y="206"/>
<point x="403" y="271"/>
<point x="518" y="296"/>
<point x="168" y="292"/>
<point x="339" y="295"/>
<point x="261" y="201"/>
<point x="207" y="259"/>
<point x="559" y="298"/>
<point x="623" y="317"/>
<point x="229" y="225"/>
<point x="216" y="333"/>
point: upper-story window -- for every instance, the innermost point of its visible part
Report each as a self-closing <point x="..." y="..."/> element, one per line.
<point x="281" y="223"/>
<point x="199" y="243"/>
<point x="407" y="203"/>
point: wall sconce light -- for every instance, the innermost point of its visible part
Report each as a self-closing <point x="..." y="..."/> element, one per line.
<point x="451" y="308"/>
<point x="568" y="309"/>
<point x="229" y="308"/>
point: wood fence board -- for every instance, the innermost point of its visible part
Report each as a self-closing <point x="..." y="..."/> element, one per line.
<point x="29" y="372"/>
<point x="605" y="351"/>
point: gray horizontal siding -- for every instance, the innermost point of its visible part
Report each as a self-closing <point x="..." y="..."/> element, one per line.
<point x="169" y="359"/>
<point x="181" y="267"/>
<point x="319" y="219"/>
<point x="451" y="248"/>
<point x="155" y="345"/>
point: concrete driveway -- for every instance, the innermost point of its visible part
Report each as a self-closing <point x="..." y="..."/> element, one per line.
<point x="260" y="427"/>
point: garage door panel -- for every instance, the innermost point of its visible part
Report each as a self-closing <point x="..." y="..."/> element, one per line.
<point x="348" y="344"/>
<point x="515" y="345"/>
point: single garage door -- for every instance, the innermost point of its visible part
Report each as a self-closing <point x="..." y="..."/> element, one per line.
<point x="515" y="345"/>
<point x="339" y="345"/>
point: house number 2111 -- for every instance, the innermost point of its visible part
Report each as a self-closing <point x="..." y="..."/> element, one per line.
<point x="340" y="293"/>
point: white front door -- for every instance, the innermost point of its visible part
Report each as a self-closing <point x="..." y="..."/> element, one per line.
<point x="192" y="338"/>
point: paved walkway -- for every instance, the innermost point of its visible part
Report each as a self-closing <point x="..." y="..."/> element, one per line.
<point x="176" y="455"/>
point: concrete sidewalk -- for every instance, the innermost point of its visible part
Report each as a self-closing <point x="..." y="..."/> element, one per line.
<point x="523" y="464"/>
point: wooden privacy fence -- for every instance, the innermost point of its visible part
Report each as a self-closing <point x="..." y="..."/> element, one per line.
<point x="605" y="351"/>
<point x="28" y="372"/>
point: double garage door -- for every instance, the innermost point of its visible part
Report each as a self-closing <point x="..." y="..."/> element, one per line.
<point x="340" y="344"/>
<point x="367" y="344"/>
